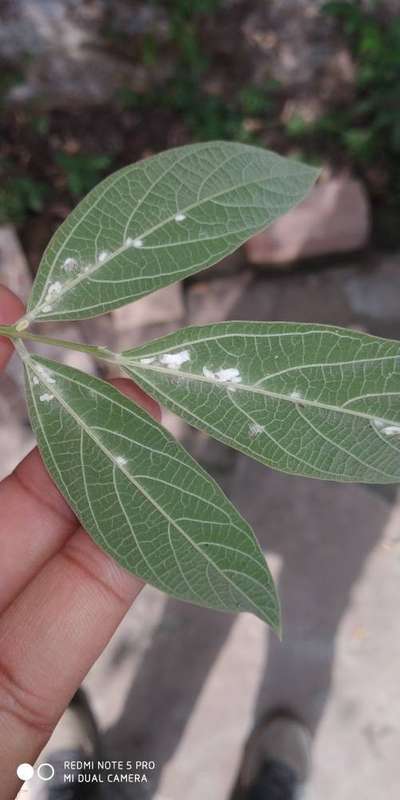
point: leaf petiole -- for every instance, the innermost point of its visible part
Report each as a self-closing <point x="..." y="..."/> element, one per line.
<point x="102" y="353"/>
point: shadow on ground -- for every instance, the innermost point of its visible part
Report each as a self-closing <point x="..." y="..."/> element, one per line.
<point x="322" y="534"/>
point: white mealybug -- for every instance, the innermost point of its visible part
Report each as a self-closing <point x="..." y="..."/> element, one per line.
<point x="255" y="429"/>
<point x="45" y="398"/>
<point x="391" y="430"/>
<point x="121" y="461"/>
<point x="138" y="242"/>
<point x="230" y="375"/>
<point x="46" y="309"/>
<point x="70" y="264"/>
<point x="35" y="380"/>
<point x="53" y="291"/>
<point x="295" y="396"/>
<point x="378" y="423"/>
<point x="103" y="256"/>
<point x="148" y="360"/>
<point x="45" y="373"/>
<point x="128" y="242"/>
<point x="175" y="359"/>
<point x="179" y="216"/>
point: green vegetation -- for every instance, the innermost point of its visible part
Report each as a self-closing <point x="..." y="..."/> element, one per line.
<point x="82" y="171"/>
<point x="19" y="197"/>
<point x="206" y="115"/>
<point x="367" y="129"/>
<point x="204" y="95"/>
<point x="370" y="129"/>
<point x="23" y="195"/>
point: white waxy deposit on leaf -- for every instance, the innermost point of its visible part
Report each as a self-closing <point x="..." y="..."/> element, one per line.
<point x="175" y="359"/>
<point x="35" y="380"/>
<point x="391" y="430"/>
<point x="103" y="256"/>
<point x="230" y="375"/>
<point x="45" y="373"/>
<point x="46" y="309"/>
<point x="128" y="242"/>
<point x="44" y="398"/>
<point x="296" y="396"/>
<point x="138" y="242"/>
<point x="121" y="461"/>
<point x="388" y="430"/>
<point x="255" y="429"/>
<point x="70" y="264"/>
<point x="148" y="360"/>
<point x="53" y="291"/>
<point x="179" y="217"/>
<point x="378" y="423"/>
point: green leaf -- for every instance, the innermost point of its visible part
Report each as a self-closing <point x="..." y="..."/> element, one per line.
<point x="142" y="497"/>
<point x="312" y="400"/>
<point x="157" y="221"/>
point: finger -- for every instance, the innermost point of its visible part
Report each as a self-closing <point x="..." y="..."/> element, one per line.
<point x="36" y="520"/>
<point x="49" y="638"/>
<point x="11" y="309"/>
<point x="130" y="389"/>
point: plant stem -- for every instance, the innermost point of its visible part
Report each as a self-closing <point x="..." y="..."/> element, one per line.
<point x="102" y="353"/>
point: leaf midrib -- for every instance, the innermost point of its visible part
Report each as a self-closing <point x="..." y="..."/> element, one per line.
<point x="252" y="390"/>
<point x="52" y="389"/>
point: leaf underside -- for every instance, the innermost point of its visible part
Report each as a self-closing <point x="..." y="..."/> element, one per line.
<point x="160" y="220"/>
<point x="311" y="400"/>
<point x="142" y="497"/>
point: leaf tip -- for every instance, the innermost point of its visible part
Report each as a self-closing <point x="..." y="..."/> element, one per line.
<point x="271" y="612"/>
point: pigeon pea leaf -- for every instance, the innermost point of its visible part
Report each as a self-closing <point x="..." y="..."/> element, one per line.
<point x="306" y="399"/>
<point x="158" y="221"/>
<point x="142" y="497"/>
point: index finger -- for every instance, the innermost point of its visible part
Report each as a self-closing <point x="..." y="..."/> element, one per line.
<point x="11" y="309"/>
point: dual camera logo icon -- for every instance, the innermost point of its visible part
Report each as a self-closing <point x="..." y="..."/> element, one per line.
<point x="44" y="771"/>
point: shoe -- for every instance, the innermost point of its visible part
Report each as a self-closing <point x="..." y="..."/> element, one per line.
<point x="276" y="761"/>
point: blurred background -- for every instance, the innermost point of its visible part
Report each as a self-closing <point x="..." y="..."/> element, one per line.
<point x="89" y="86"/>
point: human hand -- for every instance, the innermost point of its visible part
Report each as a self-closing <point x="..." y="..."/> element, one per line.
<point x="61" y="597"/>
